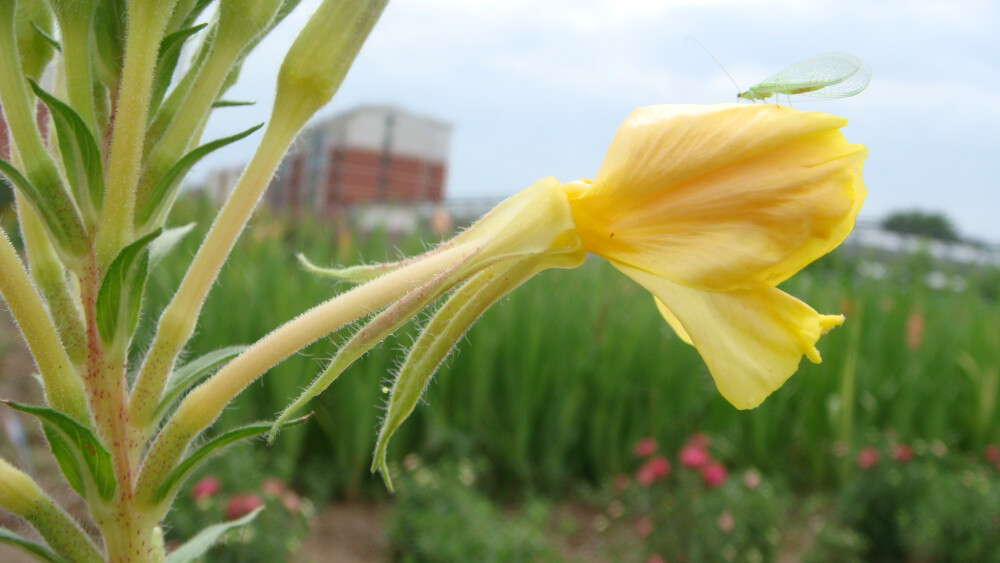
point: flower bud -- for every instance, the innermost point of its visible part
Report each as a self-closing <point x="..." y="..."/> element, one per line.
<point x="318" y="61"/>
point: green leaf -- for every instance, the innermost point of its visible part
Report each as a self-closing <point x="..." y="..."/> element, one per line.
<point x="53" y="205"/>
<point x="185" y="377"/>
<point x="109" y="35"/>
<point x="48" y="38"/>
<point x="205" y="539"/>
<point x="170" y="52"/>
<point x="167" y="241"/>
<point x="77" y="447"/>
<point x="184" y="468"/>
<point x="39" y="551"/>
<point x="162" y="195"/>
<point x="230" y="103"/>
<point x="120" y="296"/>
<point x="80" y="154"/>
<point x="64" y="455"/>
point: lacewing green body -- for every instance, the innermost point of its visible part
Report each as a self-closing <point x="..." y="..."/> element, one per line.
<point x="830" y="75"/>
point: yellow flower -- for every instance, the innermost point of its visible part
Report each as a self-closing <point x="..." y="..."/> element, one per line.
<point x="709" y="208"/>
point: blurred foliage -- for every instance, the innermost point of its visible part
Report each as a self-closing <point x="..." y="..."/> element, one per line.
<point x="439" y="515"/>
<point x="922" y="223"/>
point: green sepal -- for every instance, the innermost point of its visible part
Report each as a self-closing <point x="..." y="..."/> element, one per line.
<point x="120" y="296"/>
<point x="195" y="547"/>
<point x="159" y="200"/>
<point x="184" y="468"/>
<point x="39" y="551"/>
<point x="45" y="36"/>
<point x="166" y="242"/>
<point x="80" y="154"/>
<point x="185" y="377"/>
<point x="231" y="103"/>
<point x="81" y="456"/>
<point x="166" y="64"/>
<point x="60" y="216"/>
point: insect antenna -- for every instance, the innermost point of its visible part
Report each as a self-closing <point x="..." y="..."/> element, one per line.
<point x="709" y="53"/>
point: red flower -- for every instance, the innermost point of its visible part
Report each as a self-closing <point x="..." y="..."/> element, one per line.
<point x="992" y="454"/>
<point x="205" y="488"/>
<point x="694" y="456"/>
<point x="644" y="447"/>
<point x="713" y="474"/>
<point x="653" y="470"/>
<point x="241" y="504"/>
<point x="902" y="453"/>
<point x="656" y="558"/>
<point x="867" y="457"/>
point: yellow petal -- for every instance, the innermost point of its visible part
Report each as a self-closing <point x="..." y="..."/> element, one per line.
<point x="751" y="340"/>
<point x="725" y="197"/>
<point x="673" y="321"/>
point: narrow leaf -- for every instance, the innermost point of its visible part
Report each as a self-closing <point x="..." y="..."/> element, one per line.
<point x="205" y="539"/>
<point x="64" y="225"/>
<point x="121" y="290"/>
<point x="184" y="468"/>
<point x="170" y="52"/>
<point x="163" y="193"/>
<point x="80" y="442"/>
<point x="185" y="377"/>
<point x="48" y="38"/>
<point x="80" y="154"/>
<point x="167" y="241"/>
<point x="231" y="103"/>
<point x="66" y="458"/>
<point x="39" y="551"/>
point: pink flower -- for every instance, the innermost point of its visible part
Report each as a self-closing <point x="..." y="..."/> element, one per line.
<point x="992" y="454"/>
<point x="867" y="457"/>
<point x="902" y="453"/>
<point x="205" y="488"/>
<point x="644" y="447"/>
<point x="241" y="504"/>
<point x="656" y="558"/>
<point x="643" y="527"/>
<point x="653" y="470"/>
<point x="694" y="456"/>
<point x="699" y="440"/>
<point x="291" y="501"/>
<point x="714" y="474"/>
<point x="273" y="486"/>
<point x="726" y="522"/>
<point x="751" y="479"/>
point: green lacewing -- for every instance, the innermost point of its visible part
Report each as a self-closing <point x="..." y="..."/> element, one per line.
<point x="830" y="75"/>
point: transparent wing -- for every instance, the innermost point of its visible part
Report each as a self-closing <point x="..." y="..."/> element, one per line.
<point x="830" y="75"/>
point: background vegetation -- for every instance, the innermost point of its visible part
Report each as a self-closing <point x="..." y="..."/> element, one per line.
<point x="553" y="385"/>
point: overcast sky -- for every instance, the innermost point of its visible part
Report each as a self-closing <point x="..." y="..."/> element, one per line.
<point x="537" y="89"/>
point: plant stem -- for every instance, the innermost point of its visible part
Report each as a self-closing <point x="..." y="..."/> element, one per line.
<point x="21" y="495"/>
<point x="201" y="407"/>
<point x="179" y="317"/>
<point x="63" y="389"/>
<point x="146" y="21"/>
<point x="50" y="277"/>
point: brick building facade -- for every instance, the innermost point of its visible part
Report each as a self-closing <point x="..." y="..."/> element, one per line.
<point x="368" y="154"/>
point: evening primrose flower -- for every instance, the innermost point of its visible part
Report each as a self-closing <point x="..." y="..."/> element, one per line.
<point x="707" y="207"/>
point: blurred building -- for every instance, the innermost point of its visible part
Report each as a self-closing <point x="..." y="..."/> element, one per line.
<point x="365" y="155"/>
